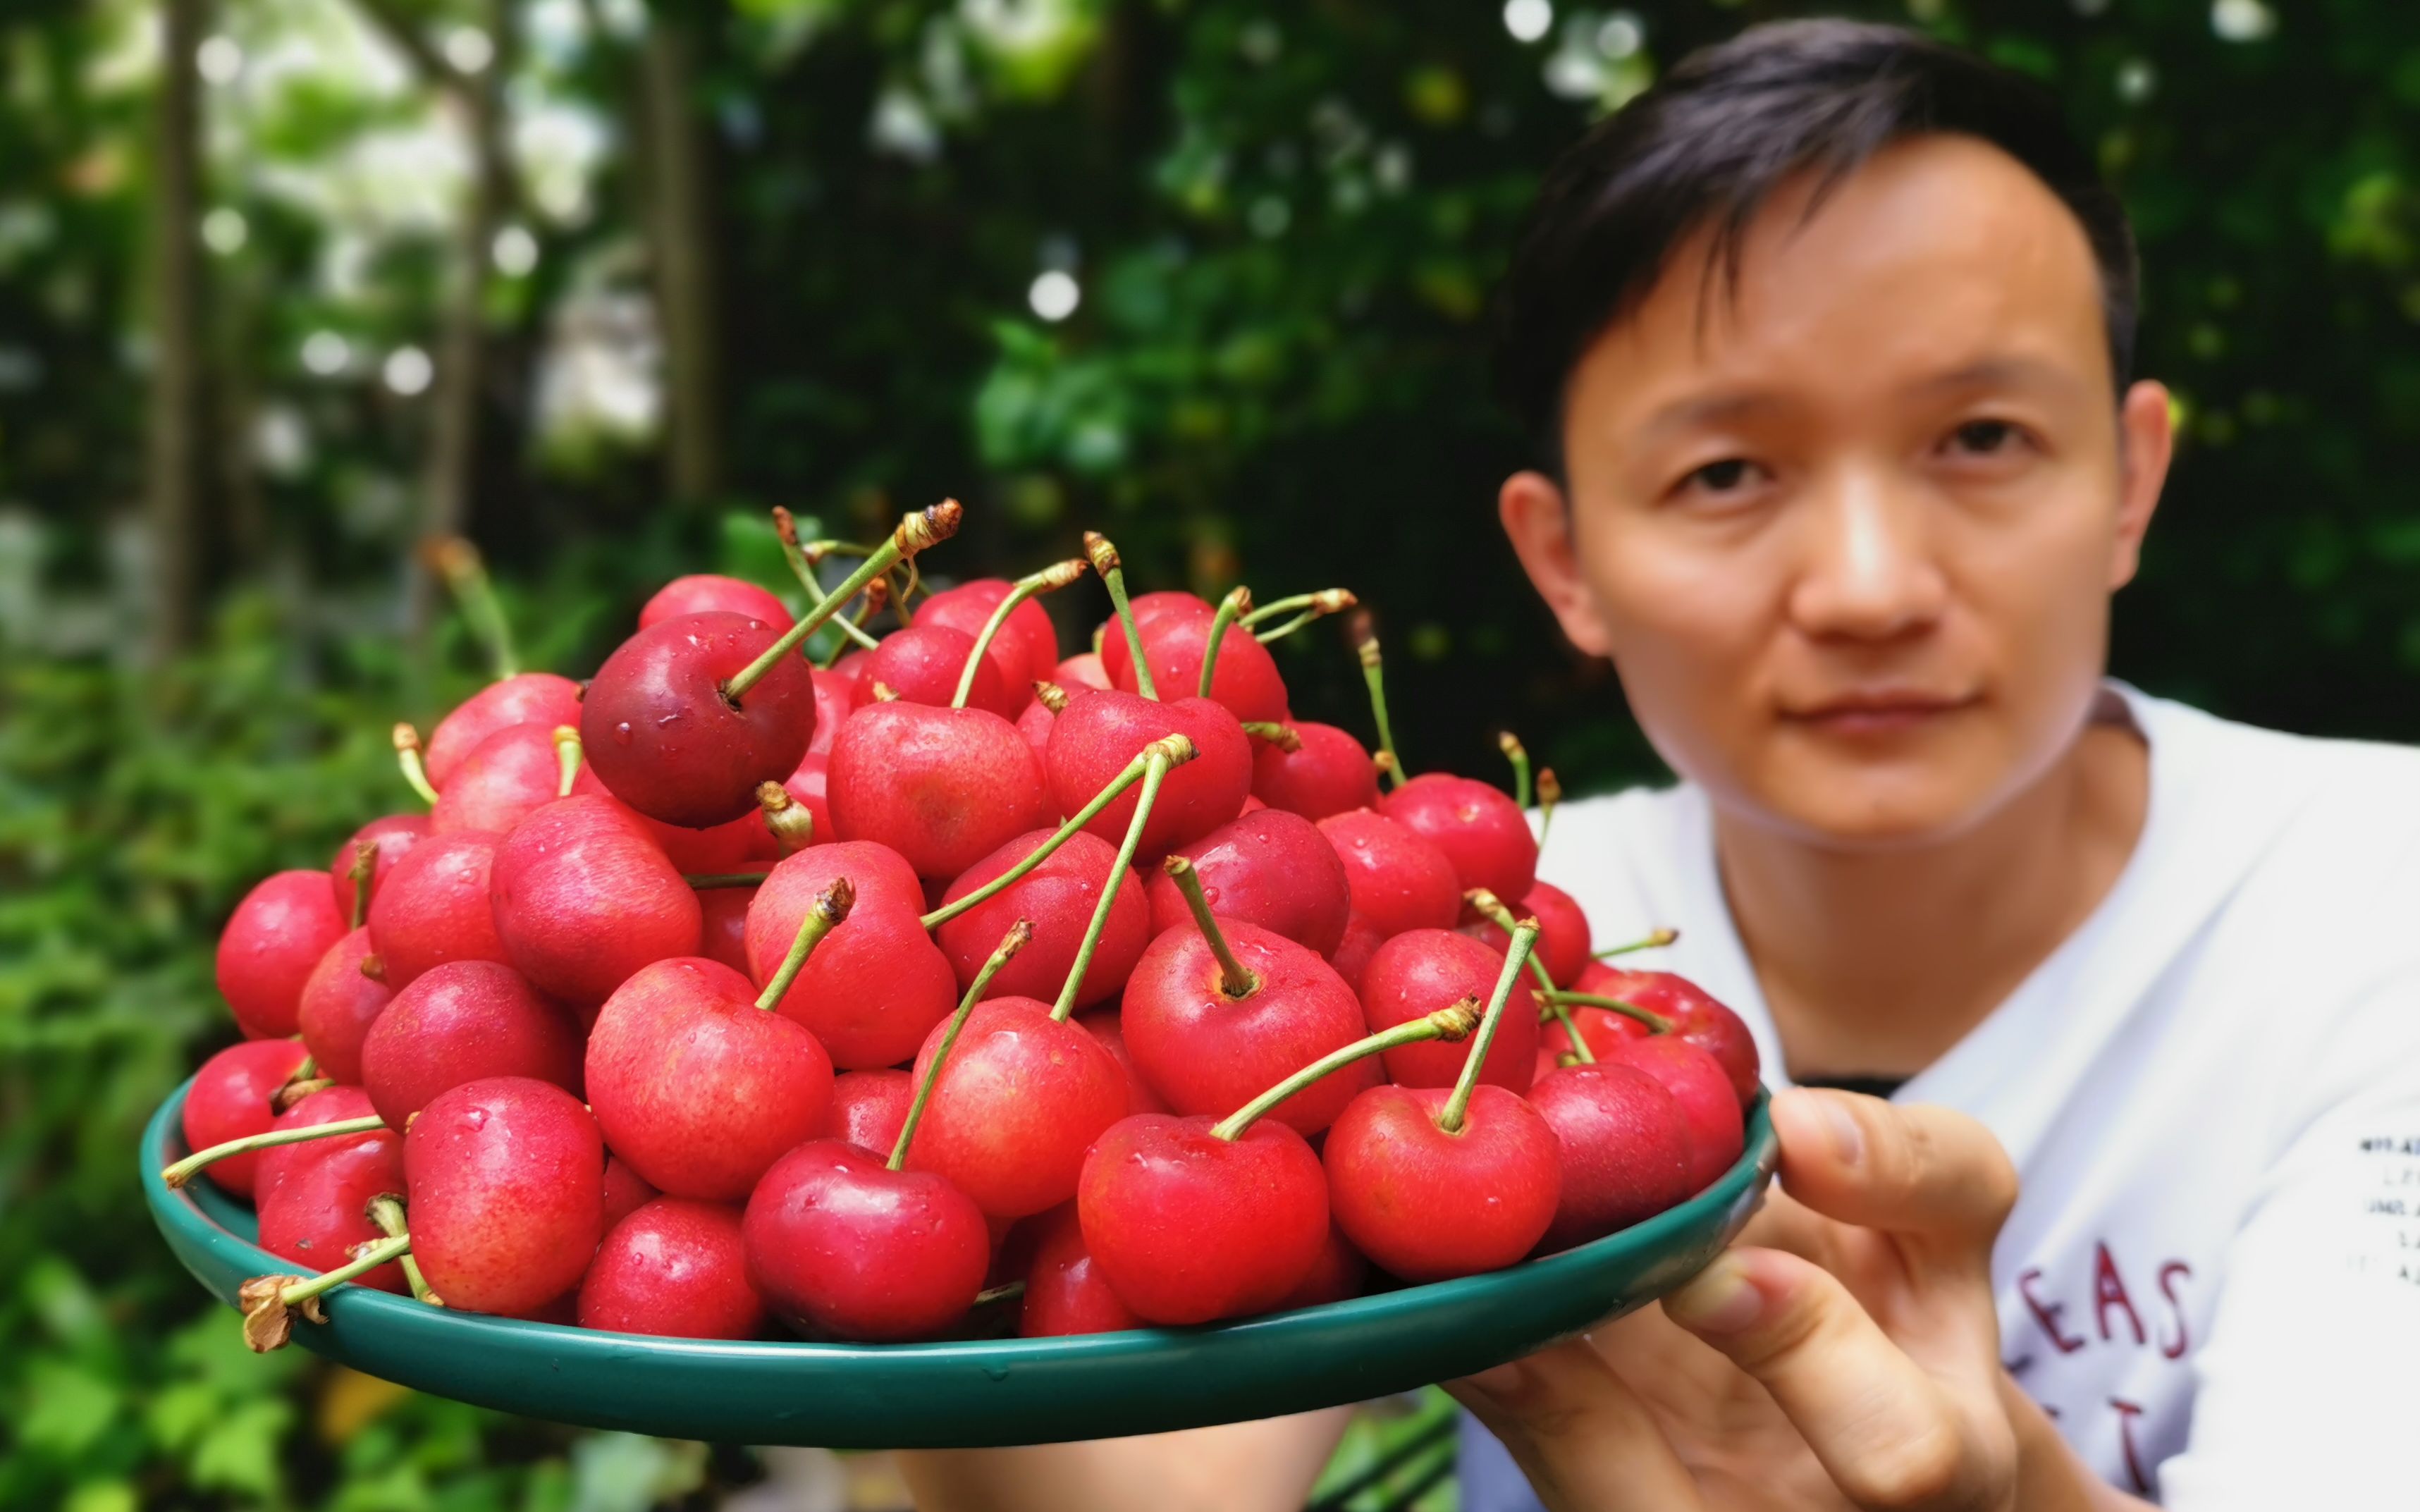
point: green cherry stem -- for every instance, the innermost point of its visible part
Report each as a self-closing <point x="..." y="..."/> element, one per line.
<point x="828" y="910"/>
<point x="457" y="561"/>
<point x="1002" y="1293"/>
<point x="916" y="533"/>
<point x="723" y="879"/>
<point x="1235" y="980"/>
<point x="1365" y="643"/>
<point x="359" y="873"/>
<point x="1238" y="599"/>
<point x="1656" y="1022"/>
<point x="387" y="1212"/>
<point x="1550" y="792"/>
<point x="786" y="527"/>
<point x="1518" y="754"/>
<point x="184" y="1171"/>
<point x="1056" y="576"/>
<point x="407" y="756"/>
<point x="1658" y="939"/>
<point x="1280" y="735"/>
<point x="1104" y="562"/>
<point x="1491" y="908"/>
<point x="1453" y="1022"/>
<point x="1178" y="749"/>
<point x="1155" y="771"/>
<point x="1019" y="934"/>
<point x="1305" y="608"/>
<point x="1525" y="935"/>
<point x="568" y="752"/>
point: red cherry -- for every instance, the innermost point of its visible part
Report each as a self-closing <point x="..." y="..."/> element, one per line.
<point x="340" y="1002"/>
<point x="315" y="1216"/>
<point x="1353" y="952"/>
<point x="379" y="1148"/>
<point x="835" y="696"/>
<point x="1065" y="1294"/>
<point x="434" y="907"/>
<point x="1105" y="1027"/>
<point x="1338" y="1274"/>
<point x="1424" y="970"/>
<point x="625" y="1190"/>
<point x="1602" y="1029"/>
<point x="1328" y="772"/>
<point x="1188" y="1228"/>
<point x="272" y="941"/>
<point x="715" y="848"/>
<point x="676" y="1269"/>
<point x="391" y="836"/>
<point x="704" y="592"/>
<point x="878" y="982"/>
<point x="944" y="787"/>
<point x="667" y="739"/>
<point x="1098" y="733"/>
<point x="504" y="778"/>
<point x="1625" y="1150"/>
<point x="1175" y="642"/>
<point x="1703" y="1093"/>
<point x="462" y="1022"/>
<point x="506" y="1184"/>
<point x="1021" y="1097"/>
<point x="1563" y="940"/>
<point x="869" y="1107"/>
<point x="234" y="1095"/>
<point x="842" y="1246"/>
<point x="1267" y="867"/>
<point x="1483" y="832"/>
<point x="1057" y="898"/>
<point x="1035" y="724"/>
<point x="1083" y="670"/>
<point x="920" y="664"/>
<point x="1206" y="1052"/>
<point x="1426" y="1205"/>
<point x="696" y="1087"/>
<point x="529" y="697"/>
<point x="581" y="899"/>
<point x="723" y="923"/>
<point x="1398" y="879"/>
<point x="1695" y="1015"/>
<point x="1026" y="647"/>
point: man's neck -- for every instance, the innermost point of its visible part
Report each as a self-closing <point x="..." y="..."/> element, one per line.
<point x="1877" y="963"/>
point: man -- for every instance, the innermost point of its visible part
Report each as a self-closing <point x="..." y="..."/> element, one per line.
<point x="1826" y="344"/>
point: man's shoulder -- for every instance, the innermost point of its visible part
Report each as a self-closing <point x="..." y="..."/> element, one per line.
<point x="2330" y="796"/>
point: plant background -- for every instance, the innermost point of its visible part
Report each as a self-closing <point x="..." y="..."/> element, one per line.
<point x="289" y="286"/>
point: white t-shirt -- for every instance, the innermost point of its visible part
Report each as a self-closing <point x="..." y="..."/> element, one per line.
<point x="2212" y="1091"/>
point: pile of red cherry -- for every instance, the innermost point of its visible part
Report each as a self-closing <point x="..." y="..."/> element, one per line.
<point x="727" y="987"/>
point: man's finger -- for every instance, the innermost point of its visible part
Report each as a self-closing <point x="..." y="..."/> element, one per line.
<point x="1911" y="1169"/>
<point x="1583" y="1438"/>
<point x="1885" y="1432"/>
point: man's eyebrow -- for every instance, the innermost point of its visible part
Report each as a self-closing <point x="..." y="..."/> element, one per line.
<point x="2002" y="373"/>
<point x="1709" y="410"/>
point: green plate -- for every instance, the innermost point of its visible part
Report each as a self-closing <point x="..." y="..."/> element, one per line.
<point x="972" y="1392"/>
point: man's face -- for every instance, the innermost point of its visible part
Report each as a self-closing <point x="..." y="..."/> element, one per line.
<point x="1850" y="536"/>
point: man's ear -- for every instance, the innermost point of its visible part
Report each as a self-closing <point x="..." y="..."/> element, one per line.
<point x="2145" y="442"/>
<point x="1539" y="522"/>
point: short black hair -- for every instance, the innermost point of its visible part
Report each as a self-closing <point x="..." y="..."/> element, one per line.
<point x="1718" y="134"/>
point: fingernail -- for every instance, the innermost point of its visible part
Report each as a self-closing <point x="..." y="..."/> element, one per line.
<point x="1720" y="1300"/>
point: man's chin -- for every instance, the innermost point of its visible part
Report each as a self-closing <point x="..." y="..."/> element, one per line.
<point x="1871" y="813"/>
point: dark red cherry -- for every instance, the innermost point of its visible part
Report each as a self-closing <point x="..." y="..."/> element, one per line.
<point x="667" y="739"/>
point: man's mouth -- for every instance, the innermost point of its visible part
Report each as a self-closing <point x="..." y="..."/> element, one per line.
<point x="1877" y="711"/>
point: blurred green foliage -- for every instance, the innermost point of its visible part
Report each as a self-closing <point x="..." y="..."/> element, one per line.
<point x="1280" y="223"/>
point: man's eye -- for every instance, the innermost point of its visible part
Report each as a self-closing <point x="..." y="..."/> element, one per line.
<point x="1729" y="475"/>
<point x="1985" y="438"/>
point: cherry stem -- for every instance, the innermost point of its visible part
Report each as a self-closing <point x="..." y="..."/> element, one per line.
<point x="791" y="822"/>
<point x="1235" y="979"/>
<point x="365" y="864"/>
<point x="1155" y="771"/>
<point x="1492" y="909"/>
<point x="915" y="532"/>
<point x="386" y="1211"/>
<point x="1452" y="1022"/>
<point x="568" y="752"/>
<point x="1179" y="750"/>
<point x="786" y="528"/>
<point x="1525" y="935"/>
<point x="1310" y="607"/>
<point x="1655" y="1022"/>
<point x="1365" y="642"/>
<point x="1019" y="936"/>
<point x="407" y="755"/>
<point x="1660" y="937"/>
<point x="1000" y="1293"/>
<point x="1058" y="575"/>
<point x="1238" y="599"/>
<point x="369" y="1259"/>
<point x="1050" y="695"/>
<point x="723" y="879"/>
<point x="831" y="907"/>
<point x="1104" y="562"/>
<point x="1280" y="735"/>
<point x="184" y="1171"/>
<point x="1550" y="792"/>
<point x="300" y="1087"/>
<point x="457" y="561"/>
<point x="1518" y="754"/>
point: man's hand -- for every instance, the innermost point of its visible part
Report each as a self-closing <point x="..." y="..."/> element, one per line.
<point x="1847" y="1355"/>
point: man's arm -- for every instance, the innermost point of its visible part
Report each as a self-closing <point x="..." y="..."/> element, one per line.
<point x="1242" y="1467"/>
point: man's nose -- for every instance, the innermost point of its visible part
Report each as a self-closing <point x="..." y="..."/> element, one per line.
<point x="1866" y="562"/>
